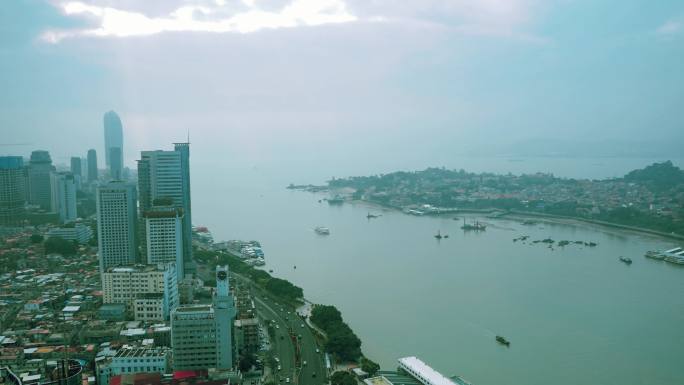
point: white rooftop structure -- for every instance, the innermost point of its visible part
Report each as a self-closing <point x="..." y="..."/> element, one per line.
<point x="423" y="373"/>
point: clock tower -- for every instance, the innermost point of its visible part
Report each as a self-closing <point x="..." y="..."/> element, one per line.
<point x="224" y="309"/>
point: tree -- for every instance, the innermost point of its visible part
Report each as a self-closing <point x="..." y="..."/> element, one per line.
<point x="60" y="246"/>
<point x="342" y="378"/>
<point x="369" y="366"/>
<point x="36" y="238"/>
<point x="247" y="362"/>
<point x="325" y="315"/>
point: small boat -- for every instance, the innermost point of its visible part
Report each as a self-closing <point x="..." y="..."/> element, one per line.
<point x="438" y="235"/>
<point x="270" y="270"/>
<point x="295" y="267"/>
<point x="473" y="227"/>
<point x="446" y="235"/>
<point x="320" y="230"/>
<point x="502" y="341"/>
<point x="626" y="260"/>
<point x="371" y="216"/>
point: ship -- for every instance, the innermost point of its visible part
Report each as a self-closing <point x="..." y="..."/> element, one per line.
<point x="675" y="255"/>
<point x="438" y="235"/>
<point x="336" y="200"/>
<point x="626" y="260"/>
<point x="320" y="230"/>
<point x="371" y="216"/>
<point x="477" y="226"/>
<point x="502" y="341"/>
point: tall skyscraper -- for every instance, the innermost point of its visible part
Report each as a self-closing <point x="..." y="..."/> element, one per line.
<point x="164" y="235"/>
<point x="92" y="165"/>
<point x="184" y="150"/>
<point x="12" y="186"/>
<point x="201" y="335"/>
<point x="116" y="224"/>
<point x="113" y="131"/>
<point x="39" y="170"/>
<point x="64" y="196"/>
<point x="164" y="175"/>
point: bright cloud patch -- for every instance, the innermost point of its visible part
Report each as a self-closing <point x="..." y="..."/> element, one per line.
<point x="121" y="23"/>
<point x="669" y="28"/>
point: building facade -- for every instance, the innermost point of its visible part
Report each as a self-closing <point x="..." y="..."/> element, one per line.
<point x="150" y="307"/>
<point x="12" y="190"/>
<point x="113" y="133"/>
<point x="126" y="284"/>
<point x="74" y="232"/>
<point x="133" y="360"/>
<point x="116" y="224"/>
<point x="201" y="335"/>
<point x="165" y="176"/>
<point x="63" y="186"/>
<point x="92" y="165"/>
<point x="164" y="235"/>
<point x="39" y="170"/>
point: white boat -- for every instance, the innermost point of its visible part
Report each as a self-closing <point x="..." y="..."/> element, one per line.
<point x="322" y="230"/>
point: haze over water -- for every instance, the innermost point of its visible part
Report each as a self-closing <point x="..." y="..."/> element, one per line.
<point x="572" y="314"/>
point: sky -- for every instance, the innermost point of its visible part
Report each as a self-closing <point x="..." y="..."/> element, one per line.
<point x="265" y="80"/>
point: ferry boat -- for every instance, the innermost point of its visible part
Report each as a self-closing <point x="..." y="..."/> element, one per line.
<point x="320" y="230"/>
<point x="675" y="255"/>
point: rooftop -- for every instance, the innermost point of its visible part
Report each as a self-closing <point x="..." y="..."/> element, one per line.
<point x="429" y="375"/>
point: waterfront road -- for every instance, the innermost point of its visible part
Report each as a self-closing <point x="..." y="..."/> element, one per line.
<point x="310" y="369"/>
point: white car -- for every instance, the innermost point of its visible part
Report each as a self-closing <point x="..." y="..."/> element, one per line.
<point x="302" y="325"/>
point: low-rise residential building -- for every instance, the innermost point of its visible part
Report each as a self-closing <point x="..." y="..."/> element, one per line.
<point x="126" y="284"/>
<point x="128" y="360"/>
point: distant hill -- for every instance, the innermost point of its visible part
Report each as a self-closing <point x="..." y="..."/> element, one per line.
<point x="661" y="176"/>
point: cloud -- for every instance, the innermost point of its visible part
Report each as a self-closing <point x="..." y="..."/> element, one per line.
<point x="670" y="27"/>
<point x="208" y="17"/>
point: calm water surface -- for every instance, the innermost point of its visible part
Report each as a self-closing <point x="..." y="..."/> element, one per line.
<point x="573" y="314"/>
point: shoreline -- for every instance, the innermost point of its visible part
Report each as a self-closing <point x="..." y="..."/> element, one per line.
<point x="517" y="214"/>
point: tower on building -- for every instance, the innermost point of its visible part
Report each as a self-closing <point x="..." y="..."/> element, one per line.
<point x="113" y="132"/>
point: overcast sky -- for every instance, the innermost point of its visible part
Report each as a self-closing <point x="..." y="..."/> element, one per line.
<point x="332" y="77"/>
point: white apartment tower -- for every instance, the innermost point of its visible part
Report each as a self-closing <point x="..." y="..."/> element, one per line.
<point x="116" y="224"/>
<point x="64" y="186"/>
<point x="164" y="235"/>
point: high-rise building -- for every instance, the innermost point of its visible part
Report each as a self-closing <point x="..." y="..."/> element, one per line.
<point x="128" y="284"/>
<point x="76" y="166"/>
<point x="164" y="235"/>
<point x="201" y="335"/>
<point x="224" y="308"/>
<point x="116" y="224"/>
<point x="39" y="170"/>
<point x="113" y="131"/>
<point x="92" y="165"/>
<point x="12" y="186"/>
<point x="64" y="196"/>
<point x="165" y="176"/>
<point x="116" y="167"/>
<point x="184" y="150"/>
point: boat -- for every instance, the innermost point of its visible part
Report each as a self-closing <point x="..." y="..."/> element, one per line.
<point x="371" y="216"/>
<point x="320" y="230"/>
<point x="270" y="270"/>
<point x="626" y="260"/>
<point x="336" y="200"/>
<point x="446" y="235"/>
<point x="654" y="254"/>
<point x="502" y="341"/>
<point x="473" y="227"/>
<point x="675" y="255"/>
<point x="438" y="235"/>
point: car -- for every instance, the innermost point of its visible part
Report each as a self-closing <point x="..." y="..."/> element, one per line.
<point x="277" y="359"/>
<point x="313" y="374"/>
<point x="287" y="380"/>
<point x="304" y="363"/>
<point x="279" y="368"/>
<point x="302" y="325"/>
<point x="318" y="350"/>
<point x="281" y="337"/>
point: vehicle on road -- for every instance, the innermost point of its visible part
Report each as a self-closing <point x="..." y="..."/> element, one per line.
<point x="302" y="325"/>
<point x="287" y="380"/>
<point x="318" y="350"/>
<point x="304" y="363"/>
<point x="313" y="374"/>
